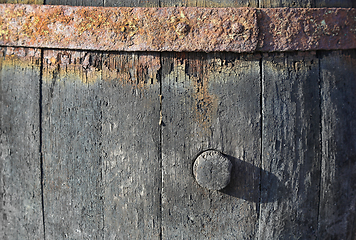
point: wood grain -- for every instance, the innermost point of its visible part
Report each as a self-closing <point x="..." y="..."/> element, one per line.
<point x="131" y="145"/>
<point x="286" y="3"/>
<point x="210" y="102"/>
<point x="72" y="122"/>
<point x="290" y="146"/>
<point x="101" y="143"/>
<point x="20" y="168"/>
<point x="121" y="132"/>
<point x="335" y="3"/>
<point x="337" y="215"/>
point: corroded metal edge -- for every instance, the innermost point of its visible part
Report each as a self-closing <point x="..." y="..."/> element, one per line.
<point x="289" y="29"/>
<point x="177" y="29"/>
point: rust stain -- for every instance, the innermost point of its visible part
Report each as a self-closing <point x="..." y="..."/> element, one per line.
<point x="191" y="77"/>
<point x="138" y="71"/>
<point x="205" y="102"/>
<point x="194" y="80"/>
<point x="23" y="1"/>
<point x="18" y="57"/>
<point x="73" y="65"/>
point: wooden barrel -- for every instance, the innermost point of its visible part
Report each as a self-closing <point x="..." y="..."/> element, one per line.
<point x="101" y="145"/>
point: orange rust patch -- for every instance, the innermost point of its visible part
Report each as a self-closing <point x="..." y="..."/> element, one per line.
<point x="290" y="29"/>
<point x="191" y="77"/>
<point x="129" y="29"/>
<point x="205" y="103"/>
<point x="23" y="1"/>
<point x="20" y="57"/>
<point x="72" y="65"/>
<point x="38" y="25"/>
<point x="178" y="29"/>
<point x="136" y="70"/>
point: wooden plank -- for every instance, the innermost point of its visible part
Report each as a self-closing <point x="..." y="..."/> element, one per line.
<point x="130" y="145"/>
<point x="286" y="3"/>
<point x="337" y="218"/>
<point x="335" y="3"/>
<point x="101" y="143"/>
<point x="20" y="167"/>
<point x="117" y="122"/>
<point x="210" y="102"/>
<point x="188" y="211"/>
<point x="290" y="146"/>
<point x="73" y="195"/>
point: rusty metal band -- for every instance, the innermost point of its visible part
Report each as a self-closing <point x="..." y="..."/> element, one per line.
<point x="177" y="29"/>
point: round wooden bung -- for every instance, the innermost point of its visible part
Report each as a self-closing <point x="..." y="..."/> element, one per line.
<point x="212" y="170"/>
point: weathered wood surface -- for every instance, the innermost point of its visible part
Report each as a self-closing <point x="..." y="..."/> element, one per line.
<point x="210" y="102"/>
<point x="337" y="213"/>
<point x="107" y="112"/>
<point x="290" y="146"/>
<point x="334" y="3"/>
<point x="100" y="144"/>
<point x="286" y="3"/>
<point x="131" y="146"/>
<point x="112" y="172"/>
<point x="20" y="164"/>
<point x="72" y="159"/>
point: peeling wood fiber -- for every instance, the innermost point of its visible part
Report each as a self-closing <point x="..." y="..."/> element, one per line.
<point x="178" y="29"/>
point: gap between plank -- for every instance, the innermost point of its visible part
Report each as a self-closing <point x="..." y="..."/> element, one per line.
<point x="318" y="56"/>
<point x="261" y="146"/>
<point x="160" y="78"/>
<point x="40" y="140"/>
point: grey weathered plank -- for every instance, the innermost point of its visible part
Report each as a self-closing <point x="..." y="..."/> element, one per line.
<point x="72" y="161"/>
<point x="101" y="145"/>
<point x="20" y="167"/>
<point x="290" y="146"/>
<point x="131" y="144"/>
<point x="210" y="102"/>
<point x="337" y="218"/>
<point x="335" y="3"/>
<point x="286" y="3"/>
<point x="193" y="80"/>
